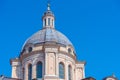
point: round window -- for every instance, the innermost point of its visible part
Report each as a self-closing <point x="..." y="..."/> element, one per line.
<point x="69" y="50"/>
<point x="29" y="49"/>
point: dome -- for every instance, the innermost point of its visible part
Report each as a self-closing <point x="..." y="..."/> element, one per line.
<point x="48" y="35"/>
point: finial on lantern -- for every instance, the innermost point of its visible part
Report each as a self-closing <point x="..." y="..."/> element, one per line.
<point x="48" y="5"/>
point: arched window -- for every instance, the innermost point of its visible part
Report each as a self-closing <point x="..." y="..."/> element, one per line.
<point x="48" y="21"/>
<point x="30" y="72"/>
<point x="45" y="22"/>
<point x="39" y="70"/>
<point x="61" y="71"/>
<point x="69" y="73"/>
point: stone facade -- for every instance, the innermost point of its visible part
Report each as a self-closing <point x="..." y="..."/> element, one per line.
<point x="50" y="57"/>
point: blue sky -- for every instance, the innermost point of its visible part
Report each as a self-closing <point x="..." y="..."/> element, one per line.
<point x="93" y="26"/>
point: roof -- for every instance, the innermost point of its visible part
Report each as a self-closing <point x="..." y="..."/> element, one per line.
<point x="7" y="78"/>
<point x="48" y="35"/>
<point x="112" y="76"/>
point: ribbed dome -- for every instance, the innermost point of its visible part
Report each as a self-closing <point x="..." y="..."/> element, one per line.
<point x="48" y="35"/>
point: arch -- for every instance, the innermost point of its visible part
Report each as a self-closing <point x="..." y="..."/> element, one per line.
<point x="39" y="69"/>
<point x="61" y="70"/>
<point x="69" y="72"/>
<point x="30" y="72"/>
<point x="45" y="22"/>
<point x="49" y="21"/>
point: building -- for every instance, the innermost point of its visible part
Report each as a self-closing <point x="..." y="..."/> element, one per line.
<point x="112" y="77"/>
<point x="48" y="55"/>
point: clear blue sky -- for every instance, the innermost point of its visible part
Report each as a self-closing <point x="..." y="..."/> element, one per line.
<point x="93" y="26"/>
